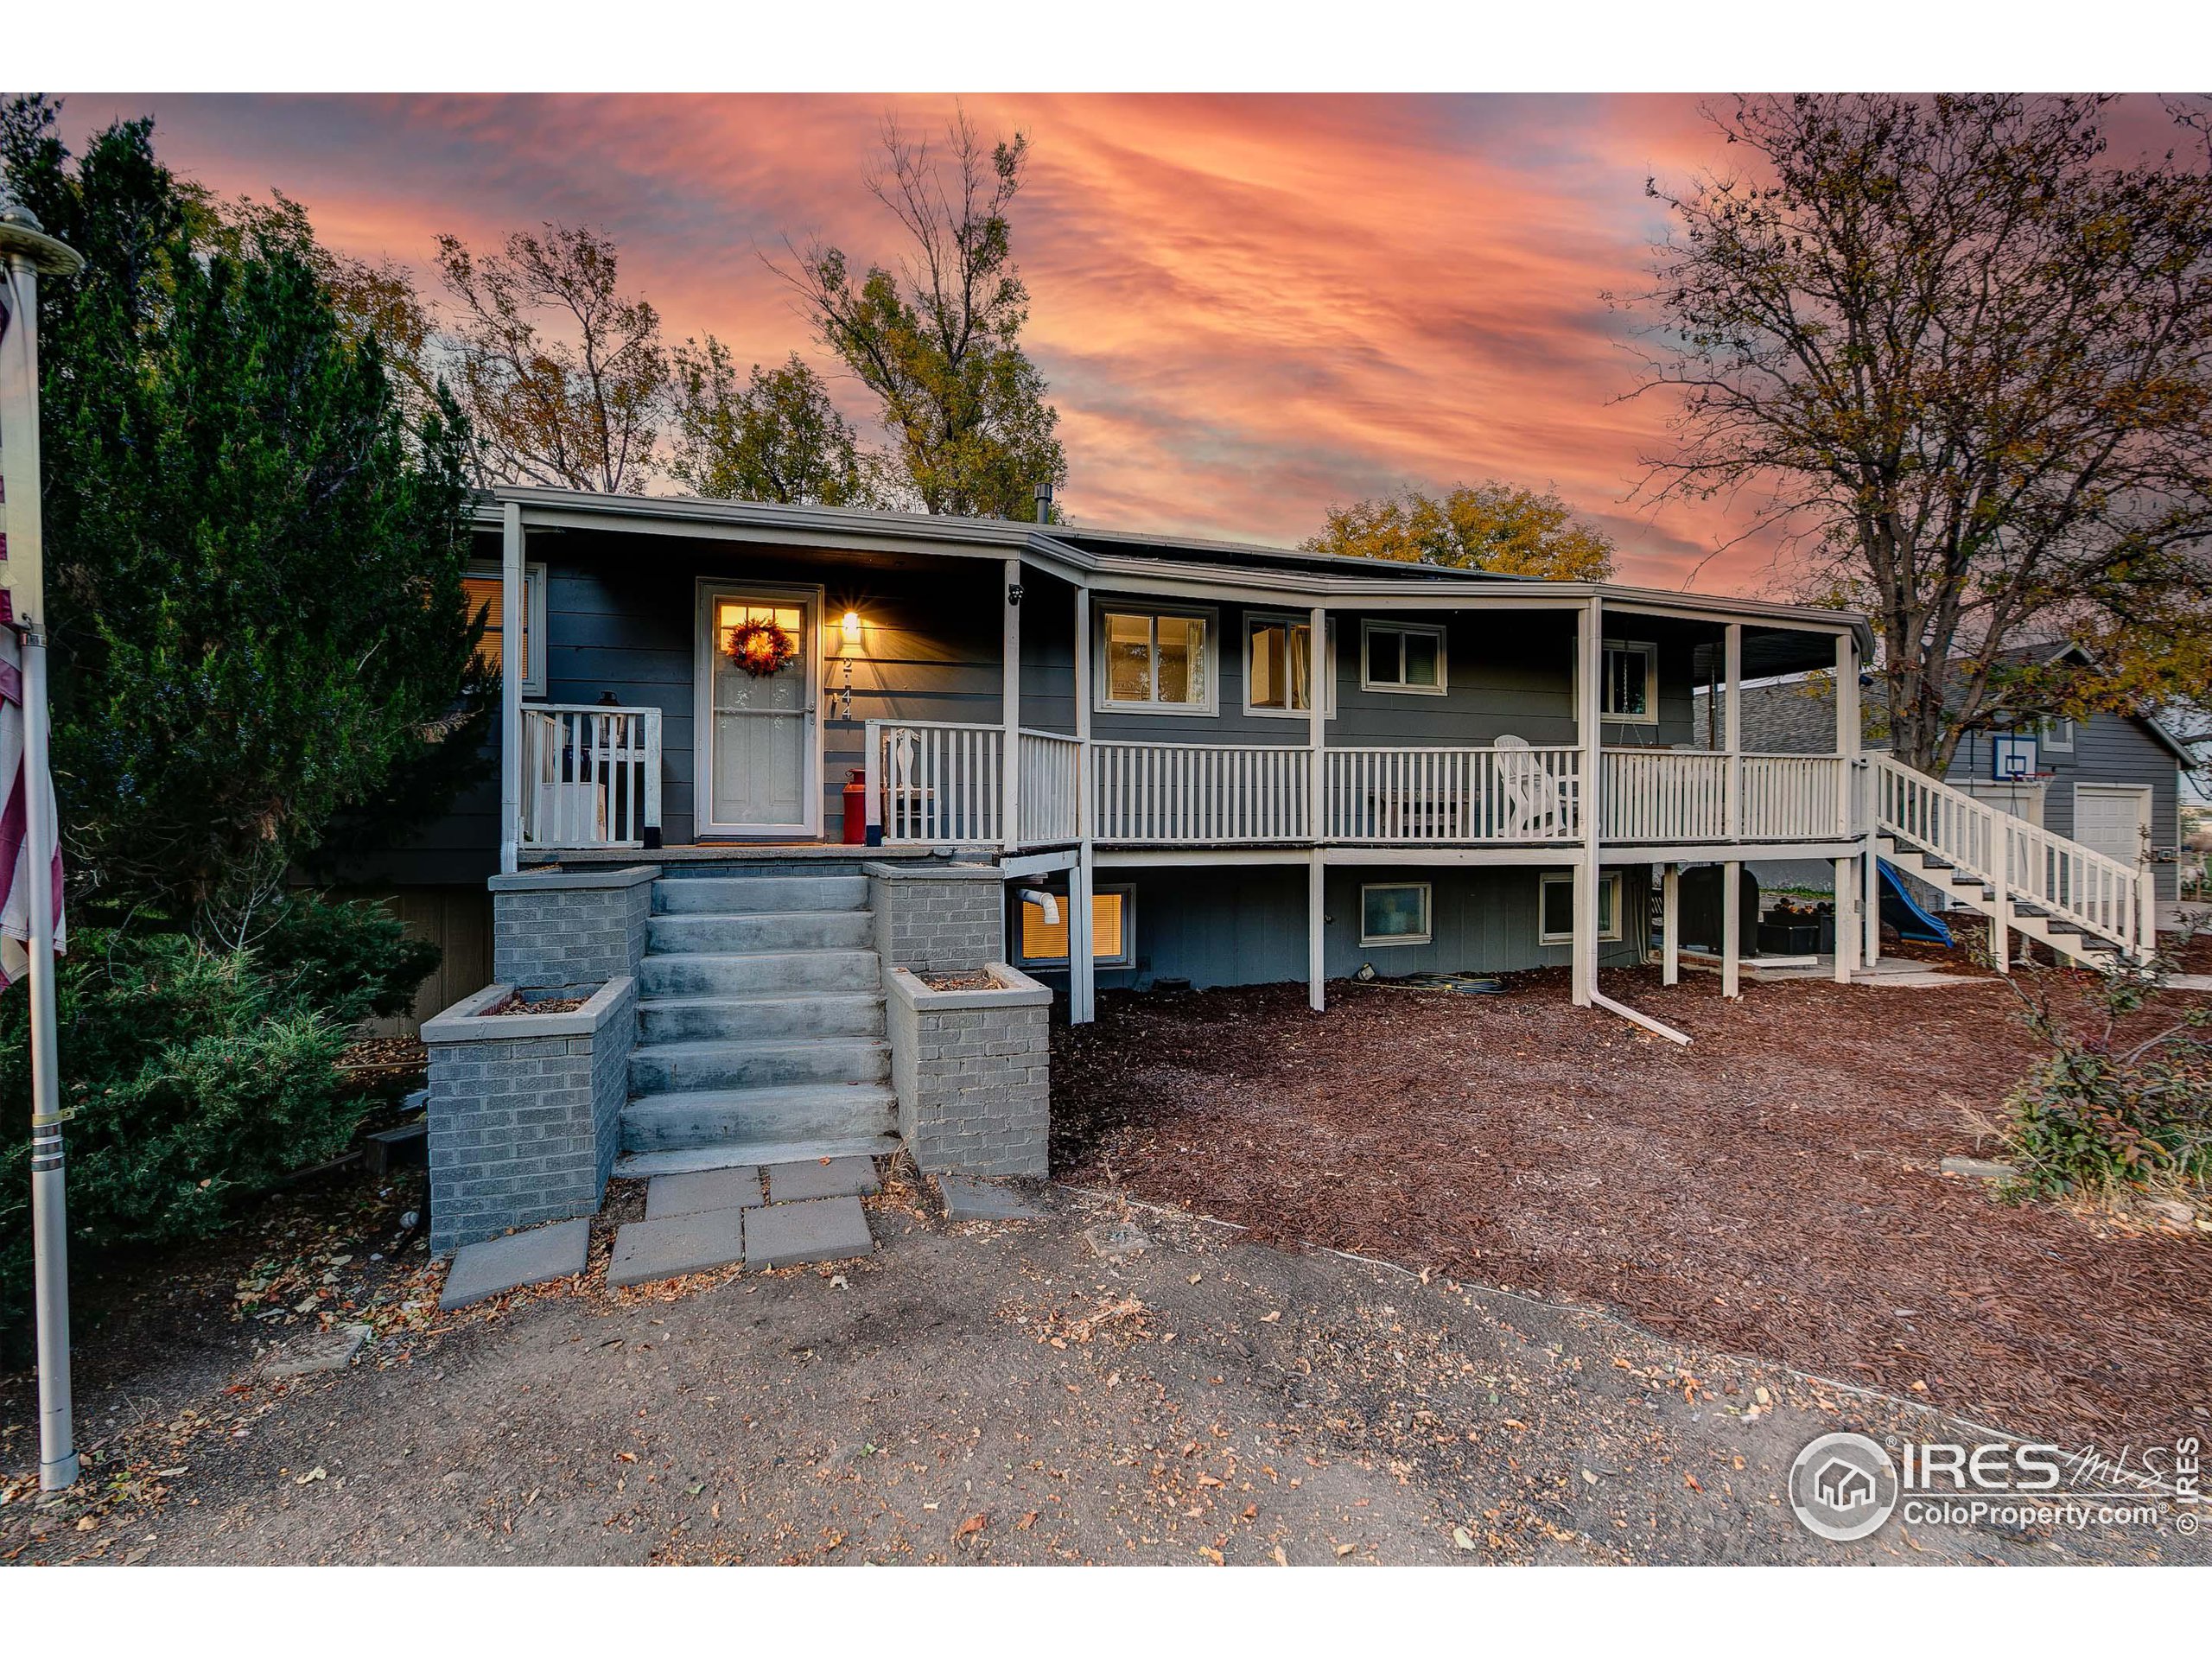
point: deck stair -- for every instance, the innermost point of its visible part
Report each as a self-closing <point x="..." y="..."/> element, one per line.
<point x="2089" y="909"/>
<point x="760" y="1025"/>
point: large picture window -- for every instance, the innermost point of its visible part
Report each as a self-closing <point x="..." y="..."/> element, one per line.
<point x="1555" y="907"/>
<point x="1157" y="661"/>
<point x="484" y="591"/>
<point x="1045" y="944"/>
<point x="1278" y="667"/>
<point x="1401" y="656"/>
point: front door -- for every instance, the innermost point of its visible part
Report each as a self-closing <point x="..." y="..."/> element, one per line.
<point x="759" y="768"/>
<point x="2114" y="818"/>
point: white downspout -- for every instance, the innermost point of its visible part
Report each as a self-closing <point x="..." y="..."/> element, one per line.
<point x="512" y="600"/>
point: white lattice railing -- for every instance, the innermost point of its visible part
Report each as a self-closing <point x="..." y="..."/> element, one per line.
<point x="1447" y="796"/>
<point x="590" y="776"/>
<point x="1200" y="792"/>
<point x="935" y="782"/>
<point x="1051" y="786"/>
<point x="2020" y="862"/>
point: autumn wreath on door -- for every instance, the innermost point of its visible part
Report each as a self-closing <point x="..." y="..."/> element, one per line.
<point x="761" y="648"/>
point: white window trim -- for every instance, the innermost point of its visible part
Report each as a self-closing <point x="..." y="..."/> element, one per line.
<point x="533" y="591"/>
<point x="1100" y="703"/>
<point x="1427" y="914"/>
<point x="1650" y="649"/>
<point x="1129" y="957"/>
<point x="1368" y="626"/>
<point x="1255" y="621"/>
<point x="2046" y="731"/>
<point x="1566" y="878"/>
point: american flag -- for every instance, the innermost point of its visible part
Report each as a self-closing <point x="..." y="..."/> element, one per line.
<point x="14" y="816"/>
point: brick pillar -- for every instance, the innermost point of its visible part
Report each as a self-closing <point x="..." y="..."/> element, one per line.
<point x="937" y="918"/>
<point x="568" y="929"/>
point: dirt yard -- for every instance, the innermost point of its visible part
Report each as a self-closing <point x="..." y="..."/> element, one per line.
<point x="1772" y="1190"/>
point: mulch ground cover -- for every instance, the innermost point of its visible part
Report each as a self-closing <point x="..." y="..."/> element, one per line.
<point x="1772" y="1189"/>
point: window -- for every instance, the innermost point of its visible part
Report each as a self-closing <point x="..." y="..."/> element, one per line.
<point x="1630" y="682"/>
<point x="1393" y="912"/>
<point x="1159" y="661"/>
<point x="2055" y="732"/>
<point x="1401" y="656"/>
<point x="1555" y="907"/>
<point x="484" y="591"/>
<point x="1045" y="944"/>
<point x="1278" y="667"/>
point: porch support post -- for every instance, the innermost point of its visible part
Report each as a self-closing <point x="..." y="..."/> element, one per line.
<point x="1317" y="730"/>
<point x="1870" y="882"/>
<point x="1589" y="657"/>
<point x="1732" y="920"/>
<point x="1850" y="930"/>
<point x="511" y="647"/>
<point x="1083" y="970"/>
<point x="1316" y="997"/>
<point x="1010" y="708"/>
<point x="1732" y="731"/>
<point x="1670" y="925"/>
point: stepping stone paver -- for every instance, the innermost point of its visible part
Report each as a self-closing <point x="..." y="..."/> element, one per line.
<point x="969" y="1200"/>
<point x="320" y="1351"/>
<point x="675" y="1245"/>
<point x="505" y="1264"/>
<point x="1116" y="1239"/>
<point x="702" y="1189"/>
<point x="820" y="1177"/>
<point x="1986" y="1169"/>
<point x="811" y="1230"/>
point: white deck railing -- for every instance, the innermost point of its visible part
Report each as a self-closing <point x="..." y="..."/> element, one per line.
<point x="2022" y="861"/>
<point x="1200" y="793"/>
<point x="590" y="776"/>
<point x="1050" y="787"/>
<point x="1664" y="795"/>
<point x="1447" y="796"/>
<point x="936" y="782"/>
<point x="1795" y="798"/>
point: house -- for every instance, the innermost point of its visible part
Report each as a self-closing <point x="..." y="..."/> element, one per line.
<point x="769" y="769"/>
<point x="2112" y="781"/>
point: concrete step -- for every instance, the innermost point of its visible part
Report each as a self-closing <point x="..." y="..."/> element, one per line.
<point x="688" y="973"/>
<point x="667" y="1068"/>
<point x="731" y="1155"/>
<point x="701" y="1117"/>
<point x="693" y="896"/>
<point x="774" y="930"/>
<point x="756" y="1019"/>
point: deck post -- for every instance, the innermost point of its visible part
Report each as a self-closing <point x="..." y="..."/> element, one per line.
<point x="1846" y="931"/>
<point x="1732" y="730"/>
<point x="1083" y="970"/>
<point x="1582" y="975"/>
<point x="1870" y="873"/>
<point x="1670" y="925"/>
<point x="1317" y="729"/>
<point x="1083" y="977"/>
<point x="512" y="600"/>
<point x="1316" y="994"/>
<point x="1010" y="712"/>
<point x="1731" y="921"/>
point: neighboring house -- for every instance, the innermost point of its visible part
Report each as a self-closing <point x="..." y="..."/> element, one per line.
<point x="761" y="766"/>
<point x="2110" y="781"/>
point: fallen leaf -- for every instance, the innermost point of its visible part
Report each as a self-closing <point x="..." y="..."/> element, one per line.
<point x="1213" y="1555"/>
<point x="1026" y="1522"/>
<point x="1463" y="1538"/>
<point x="1347" y="1550"/>
<point x="1281" y="1560"/>
<point x="1269" y="1318"/>
<point x="1690" y="1481"/>
<point x="974" y="1524"/>
<point x="625" y="1457"/>
<point x="316" y="1473"/>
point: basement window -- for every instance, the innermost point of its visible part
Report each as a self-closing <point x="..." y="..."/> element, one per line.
<point x="1394" y="912"/>
<point x="1045" y="944"/>
<point x="1555" y="907"/>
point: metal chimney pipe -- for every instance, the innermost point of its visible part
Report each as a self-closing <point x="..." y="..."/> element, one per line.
<point x="1045" y="502"/>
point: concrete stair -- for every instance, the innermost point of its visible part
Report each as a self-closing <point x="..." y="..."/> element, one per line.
<point x="761" y="1026"/>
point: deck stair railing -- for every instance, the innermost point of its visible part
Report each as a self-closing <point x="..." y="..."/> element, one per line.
<point x="591" y="776"/>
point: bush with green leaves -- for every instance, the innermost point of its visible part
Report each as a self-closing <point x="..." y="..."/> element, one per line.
<point x="199" y="1077"/>
<point x="2119" y="1103"/>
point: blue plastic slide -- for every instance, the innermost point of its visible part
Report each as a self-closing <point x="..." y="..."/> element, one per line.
<point x="1911" y="921"/>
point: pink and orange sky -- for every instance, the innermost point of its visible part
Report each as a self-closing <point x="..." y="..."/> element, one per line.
<point x="1248" y="307"/>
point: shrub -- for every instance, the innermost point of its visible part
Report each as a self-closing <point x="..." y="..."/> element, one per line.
<point x="353" y="960"/>
<point x="2113" y="1105"/>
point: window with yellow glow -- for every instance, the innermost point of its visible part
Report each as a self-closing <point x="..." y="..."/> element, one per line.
<point x="1044" y="942"/>
<point x="484" y="590"/>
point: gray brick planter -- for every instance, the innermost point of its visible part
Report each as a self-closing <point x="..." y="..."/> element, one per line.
<point x="555" y="932"/>
<point x="525" y="1110"/>
<point x="937" y="918"/>
<point x="973" y="1072"/>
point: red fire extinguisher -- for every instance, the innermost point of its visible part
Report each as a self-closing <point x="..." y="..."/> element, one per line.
<point x="856" y="807"/>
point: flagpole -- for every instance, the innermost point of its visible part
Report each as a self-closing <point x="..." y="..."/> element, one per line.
<point x="26" y="250"/>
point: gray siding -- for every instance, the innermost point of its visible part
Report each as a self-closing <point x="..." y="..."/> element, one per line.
<point x="2108" y="749"/>
<point x="1230" y="925"/>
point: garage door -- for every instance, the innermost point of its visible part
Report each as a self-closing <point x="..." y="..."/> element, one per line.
<point x="2112" y="818"/>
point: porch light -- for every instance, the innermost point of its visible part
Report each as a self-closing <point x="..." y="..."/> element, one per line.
<point x="852" y="628"/>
